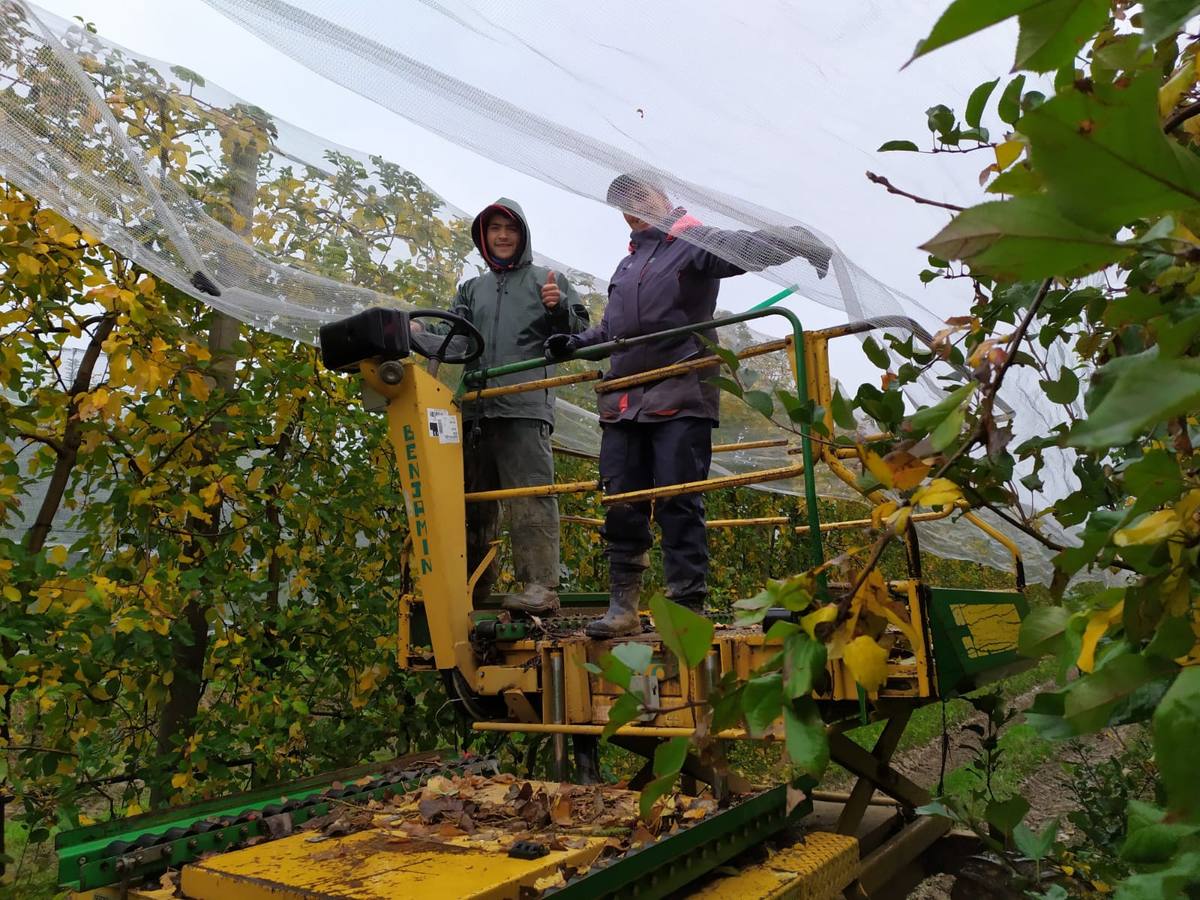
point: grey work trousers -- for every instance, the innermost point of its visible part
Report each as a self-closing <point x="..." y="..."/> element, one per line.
<point x="509" y="453"/>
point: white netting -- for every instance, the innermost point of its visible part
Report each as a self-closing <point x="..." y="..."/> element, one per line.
<point x="79" y="131"/>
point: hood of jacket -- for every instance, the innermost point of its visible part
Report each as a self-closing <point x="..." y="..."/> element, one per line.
<point x="524" y="251"/>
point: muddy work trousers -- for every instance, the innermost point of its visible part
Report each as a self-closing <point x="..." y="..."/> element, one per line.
<point x="511" y="453"/>
<point x="639" y="455"/>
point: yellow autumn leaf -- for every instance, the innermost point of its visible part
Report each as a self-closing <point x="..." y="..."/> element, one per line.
<point x="11" y="594"/>
<point x="1150" y="529"/>
<point x="907" y="470"/>
<point x="254" y="479"/>
<point x="810" y="622"/>
<point x="57" y="555"/>
<point x="180" y="780"/>
<point x="209" y="494"/>
<point x="198" y="385"/>
<point x="877" y="467"/>
<point x="1007" y="153"/>
<point x="1098" y="624"/>
<point x="867" y="662"/>
<point x="1176" y="86"/>
<point x="899" y="519"/>
<point x="1188" y="508"/>
<point x="883" y="511"/>
<point x="939" y="492"/>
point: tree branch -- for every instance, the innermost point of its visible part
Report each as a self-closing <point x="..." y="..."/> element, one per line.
<point x="50" y="442"/>
<point x="892" y="189"/>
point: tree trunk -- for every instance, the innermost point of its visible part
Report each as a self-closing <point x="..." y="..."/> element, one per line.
<point x="189" y="635"/>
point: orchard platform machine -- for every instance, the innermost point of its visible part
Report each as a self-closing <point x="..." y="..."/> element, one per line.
<point x="532" y="676"/>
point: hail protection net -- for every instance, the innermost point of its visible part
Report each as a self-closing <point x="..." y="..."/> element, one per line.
<point x="202" y="187"/>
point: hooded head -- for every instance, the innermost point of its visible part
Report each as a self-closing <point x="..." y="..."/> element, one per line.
<point x="507" y="246"/>
<point x="641" y="198"/>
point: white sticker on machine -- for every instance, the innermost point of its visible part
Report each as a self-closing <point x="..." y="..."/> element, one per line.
<point x="443" y="425"/>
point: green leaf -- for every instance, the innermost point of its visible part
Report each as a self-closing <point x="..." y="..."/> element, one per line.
<point x="1065" y="390"/>
<point x="634" y="655"/>
<point x="965" y="17"/>
<point x="626" y="708"/>
<point x="760" y="402"/>
<point x="1023" y="239"/>
<point x="843" y="415"/>
<point x="1005" y="814"/>
<point x="1105" y="159"/>
<point x="803" y="662"/>
<point x="1169" y="881"/>
<point x="929" y="418"/>
<point x="782" y="629"/>
<point x="687" y="634"/>
<point x="875" y="353"/>
<point x="1035" y="846"/>
<point x="806" y="741"/>
<point x="897" y="145"/>
<point x="1052" y="33"/>
<point x="1146" y="390"/>
<point x="1176" y="737"/>
<point x="1150" y="840"/>
<point x="670" y="756"/>
<point x="614" y="670"/>
<point x="1043" y="630"/>
<point x="1009" y="107"/>
<point x="978" y="100"/>
<point x="726" y="384"/>
<point x="1173" y="639"/>
<point x="947" y="431"/>
<point x="761" y="702"/>
<point x="1162" y="18"/>
<point x="1154" y="479"/>
<point x="1093" y="698"/>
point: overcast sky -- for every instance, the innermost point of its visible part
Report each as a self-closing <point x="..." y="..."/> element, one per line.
<point x="800" y="96"/>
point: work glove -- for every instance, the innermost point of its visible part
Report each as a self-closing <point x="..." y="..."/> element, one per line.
<point x="560" y="346"/>
<point x="803" y="242"/>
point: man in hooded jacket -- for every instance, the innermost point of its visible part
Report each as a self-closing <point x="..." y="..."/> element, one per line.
<point x="516" y="305"/>
<point x="661" y="433"/>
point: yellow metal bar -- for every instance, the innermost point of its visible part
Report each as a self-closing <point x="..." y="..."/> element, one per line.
<point x="536" y="490"/>
<point x="581" y="520"/>
<point x="864" y="523"/>
<point x="741" y="523"/>
<point x="540" y="384"/>
<point x="704" y="362"/>
<point x="713" y="523"/>
<point x="750" y="445"/>
<point x="708" y="484"/>
<point x="733" y="734"/>
<point x="1002" y="539"/>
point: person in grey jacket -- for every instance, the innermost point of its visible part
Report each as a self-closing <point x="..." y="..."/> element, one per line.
<point x="661" y="433"/>
<point x="516" y="306"/>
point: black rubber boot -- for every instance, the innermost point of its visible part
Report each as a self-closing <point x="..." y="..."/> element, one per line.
<point x="534" y="600"/>
<point x="625" y="590"/>
<point x="694" y="602"/>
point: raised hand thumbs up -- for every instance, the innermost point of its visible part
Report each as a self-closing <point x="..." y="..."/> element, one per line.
<point x="550" y="292"/>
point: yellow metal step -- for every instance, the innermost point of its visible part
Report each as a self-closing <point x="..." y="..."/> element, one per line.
<point x="374" y="865"/>
<point x="816" y="868"/>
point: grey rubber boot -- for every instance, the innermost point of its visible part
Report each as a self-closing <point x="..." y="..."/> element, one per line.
<point x="625" y="590"/>
<point x="535" y="599"/>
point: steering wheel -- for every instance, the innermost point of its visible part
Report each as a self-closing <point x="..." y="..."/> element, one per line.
<point x="459" y="327"/>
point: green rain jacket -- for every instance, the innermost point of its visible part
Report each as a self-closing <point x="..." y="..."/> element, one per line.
<point x="505" y="304"/>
